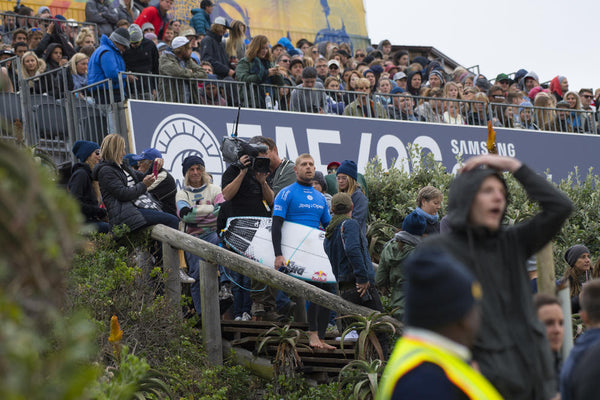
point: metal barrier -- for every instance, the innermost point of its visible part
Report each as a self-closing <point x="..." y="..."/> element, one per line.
<point x="183" y="90"/>
<point x="92" y="121"/>
<point x="70" y="28"/>
<point x="46" y="114"/>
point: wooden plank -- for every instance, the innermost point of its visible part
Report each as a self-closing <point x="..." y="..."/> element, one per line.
<point x="211" y="318"/>
<point x="269" y="276"/>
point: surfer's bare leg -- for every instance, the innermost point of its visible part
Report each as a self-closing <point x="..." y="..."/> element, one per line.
<point x="314" y="341"/>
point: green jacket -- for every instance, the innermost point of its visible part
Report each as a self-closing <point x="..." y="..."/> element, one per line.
<point x="390" y="272"/>
<point x="354" y="109"/>
<point x="257" y="72"/>
<point x="173" y="90"/>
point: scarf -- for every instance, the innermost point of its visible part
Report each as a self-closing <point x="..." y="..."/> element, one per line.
<point x="335" y="221"/>
<point x="428" y="217"/>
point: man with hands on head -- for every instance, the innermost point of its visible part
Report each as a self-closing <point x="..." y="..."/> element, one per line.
<point x="511" y="348"/>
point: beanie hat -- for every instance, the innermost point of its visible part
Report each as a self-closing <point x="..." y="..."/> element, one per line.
<point x="424" y="61"/>
<point x="320" y="179"/>
<point x="341" y="203"/>
<point x="397" y="89"/>
<point x="205" y="3"/>
<point x="150" y="36"/>
<point x="534" y="92"/>
<point x="147" y="25"/>
<point x="439" y="289"/>
<point x="189" y="161"/>
<point x="574" y="252"/>
<point x="349" y="168"/>
<point x="414" y="223"/>
<point x="42" y="9"/>
<point x="439" y="74"/>
<point x="148" y="154"/>
<point x="523" y="105"/>
<point x="377" y="69"/>
<point x="520" y="74"/>
<point x="135" y="33"/>
<point x="120" y="36"/>
<point x="83" y="148"/>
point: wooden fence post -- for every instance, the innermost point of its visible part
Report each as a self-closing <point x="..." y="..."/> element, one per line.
<point x="545" y="268"/>
<point x="173" y="283"/>
<point x="211" y="315"/>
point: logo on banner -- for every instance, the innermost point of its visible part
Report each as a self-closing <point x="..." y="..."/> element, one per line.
<point x="181" y="135"/>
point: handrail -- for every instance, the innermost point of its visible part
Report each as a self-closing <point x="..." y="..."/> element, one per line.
<point x="172" y="238"/>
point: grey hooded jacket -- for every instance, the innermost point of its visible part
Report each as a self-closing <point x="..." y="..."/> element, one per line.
<point x="511" y="348"/>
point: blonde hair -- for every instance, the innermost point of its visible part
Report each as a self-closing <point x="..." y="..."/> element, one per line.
<point x="353" y="186"/>
<point x="74" y="60"/>
<point x="112" y="148"/>
<point x="452" y="84"/>
<point x="41" y="66"/>
<point x="236" y="37"/>
<point x="544" y="118"/>
<point x="206" y="179"/>
<point x="82" y="35"/>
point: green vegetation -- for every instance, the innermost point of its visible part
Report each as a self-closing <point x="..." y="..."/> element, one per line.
<point x="58" y="293"/>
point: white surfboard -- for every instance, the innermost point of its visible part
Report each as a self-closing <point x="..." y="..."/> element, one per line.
<point x="301" y="245"/>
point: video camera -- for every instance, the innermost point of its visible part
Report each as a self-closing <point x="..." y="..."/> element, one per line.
<point x="233" y="148"/>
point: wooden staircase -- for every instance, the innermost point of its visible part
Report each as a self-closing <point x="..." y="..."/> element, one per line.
<point x="320" y="365"/>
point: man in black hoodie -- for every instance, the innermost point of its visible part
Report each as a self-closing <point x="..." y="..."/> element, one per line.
<point x="213" y="51"/>
<point x="511" y="348"/>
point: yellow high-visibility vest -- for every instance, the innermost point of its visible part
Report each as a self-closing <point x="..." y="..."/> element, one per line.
<point x="410" y="352"/>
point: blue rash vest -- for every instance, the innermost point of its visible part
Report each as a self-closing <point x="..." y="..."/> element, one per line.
<point x="302" y="205"/>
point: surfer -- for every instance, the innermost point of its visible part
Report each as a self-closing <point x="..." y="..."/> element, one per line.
<point x="302" y="204"/>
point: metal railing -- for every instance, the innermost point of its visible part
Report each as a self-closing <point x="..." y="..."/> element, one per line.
<point x="183" y="90"/>
<point x="45" y="113"/>
<point x="69" y="28"/>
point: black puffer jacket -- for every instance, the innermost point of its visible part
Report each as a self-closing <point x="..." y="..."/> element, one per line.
<point x="117" y="196"/>
<point x="80" y="186"/>
<point x="511" y="348"/>
<point x="213" y="51"/>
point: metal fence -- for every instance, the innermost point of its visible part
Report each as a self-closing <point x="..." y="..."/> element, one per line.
<point x="69" y="28"/>
<point x="184" y="90"/>
<point x="45" y="113"/>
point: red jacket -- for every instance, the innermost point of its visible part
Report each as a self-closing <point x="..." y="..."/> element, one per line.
<point x="152" y="14"/>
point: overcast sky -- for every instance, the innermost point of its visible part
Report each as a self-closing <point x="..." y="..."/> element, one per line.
<point x="546" y="36"/>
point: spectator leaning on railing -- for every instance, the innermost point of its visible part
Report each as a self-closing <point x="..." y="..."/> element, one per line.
<point x="212" y="49"/>
<point x="257" y="68"/>
<point x="107" y="61"/>
<point x="178" y="64"/>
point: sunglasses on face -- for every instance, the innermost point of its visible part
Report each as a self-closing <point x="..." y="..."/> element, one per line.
<point x="359" y="55"/>
<point x="587" y="96"/>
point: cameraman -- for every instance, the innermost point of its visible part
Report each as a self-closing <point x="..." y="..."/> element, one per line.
<point x="246" y="189"/>
<point x="248" y="194"/>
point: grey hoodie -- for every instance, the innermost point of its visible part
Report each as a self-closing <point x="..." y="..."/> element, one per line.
<point x="511" y="348"/>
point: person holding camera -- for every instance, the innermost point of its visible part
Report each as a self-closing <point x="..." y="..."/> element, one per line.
<point x="247" y="193"/>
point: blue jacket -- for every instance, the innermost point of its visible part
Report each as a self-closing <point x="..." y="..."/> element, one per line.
<point x="105" y="63"/>
<point x="200" y="21"/>
<point x="348" y="252"/>
<point x="584" y="343"/>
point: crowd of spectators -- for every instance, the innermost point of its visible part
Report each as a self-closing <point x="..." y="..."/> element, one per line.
<point x="324" y="77"/>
